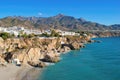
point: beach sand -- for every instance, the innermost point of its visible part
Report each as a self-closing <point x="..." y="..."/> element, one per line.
<point x="12" y="72"/>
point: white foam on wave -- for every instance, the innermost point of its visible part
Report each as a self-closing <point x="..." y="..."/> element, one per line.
<point x="48" y="64"/>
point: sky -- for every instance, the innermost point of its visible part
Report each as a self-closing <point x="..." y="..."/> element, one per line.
<point x="101" y="11"/>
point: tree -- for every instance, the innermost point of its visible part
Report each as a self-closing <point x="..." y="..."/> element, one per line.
<point x="54" y="34"/>
<point x="24" y="35"/>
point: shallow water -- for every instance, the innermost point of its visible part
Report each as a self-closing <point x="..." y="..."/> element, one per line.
<point x="98" y="61"/>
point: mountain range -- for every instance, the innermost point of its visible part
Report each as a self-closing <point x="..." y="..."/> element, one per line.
<point x="59" y="21"/>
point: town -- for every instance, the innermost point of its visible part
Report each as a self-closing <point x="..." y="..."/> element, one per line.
<point x="15" y="30"/>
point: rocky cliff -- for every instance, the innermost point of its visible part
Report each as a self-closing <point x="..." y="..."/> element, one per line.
<point x="107" y="34"/>
<point x="37" y="51"/>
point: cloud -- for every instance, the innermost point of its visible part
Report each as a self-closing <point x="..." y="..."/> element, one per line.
<point x="40" y="14"/>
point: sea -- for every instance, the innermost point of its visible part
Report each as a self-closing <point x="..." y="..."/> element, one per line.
<point x="97" y="61"/>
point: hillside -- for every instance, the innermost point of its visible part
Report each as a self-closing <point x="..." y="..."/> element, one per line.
<point x="59" y="21"/>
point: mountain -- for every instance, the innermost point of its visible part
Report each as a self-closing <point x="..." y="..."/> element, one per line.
<point x="59" y="21"/>
<point x="10" y="21"/>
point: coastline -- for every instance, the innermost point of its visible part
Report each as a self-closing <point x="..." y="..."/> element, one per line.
<point x="24" y="72"/>
<point x="86" y="61"/>
<point x="30" y="72"/>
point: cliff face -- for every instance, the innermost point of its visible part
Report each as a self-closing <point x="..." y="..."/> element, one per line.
<point x="107" y="34"/>
<point x="36" y="51"/>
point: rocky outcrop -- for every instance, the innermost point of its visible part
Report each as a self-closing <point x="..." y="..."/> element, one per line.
<point x="36" y="51"/>
<point x="1" y="42"/>
<point x="2" y="60"/>
<point x="76" y="45"/>
<point x="25" y="55"/>
<point x="66" y="49"/>
<point x="49" y="58"/>
<point x="107" y="34"/>
<point x="37" y="64"/>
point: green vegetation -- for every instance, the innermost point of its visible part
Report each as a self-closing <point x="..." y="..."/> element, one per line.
<point x="44" y="35"/>
<point x="31" y="35"/>
<point x="6" y="35"/>
<point x="24" y="35"/>
<point x="54" y="34"/>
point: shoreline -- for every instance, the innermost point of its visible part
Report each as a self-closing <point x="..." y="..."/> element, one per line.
<point x="31" y="74"/>
<point x="12" y="72"/>
<point x="28" y="75"/>
<point x="27" y="72"/>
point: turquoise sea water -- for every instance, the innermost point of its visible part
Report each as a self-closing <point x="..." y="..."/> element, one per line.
<point x="98" y="61"/>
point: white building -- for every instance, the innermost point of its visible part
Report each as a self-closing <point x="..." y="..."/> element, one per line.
<point x="16" y="30"/>
<point x="65" y="33"/>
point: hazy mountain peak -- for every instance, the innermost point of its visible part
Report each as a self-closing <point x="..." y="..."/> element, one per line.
<point x="60" y="21"/>
<point x="82" y="19"/>
<point x="59" y="15"/>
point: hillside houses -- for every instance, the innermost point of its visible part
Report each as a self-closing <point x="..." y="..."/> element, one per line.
<point x="21" y="30"/>
<point x="18" y="30"/>
<point x="67" y="33"/>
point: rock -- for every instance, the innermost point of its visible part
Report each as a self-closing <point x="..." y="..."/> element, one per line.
<point x="8" y="57"/>
<point x="87" y="38"/>
<point x="68" y="45"/>
<point x="1" y="39"/>
<point x="2" y="60"/>
<point x="32" y="50"/>
<point x="66" y="49"/>
<point x="61" y="50"/>
<point x="32" y="63"/>
<point x="25" y="55"/>
<point x="1" y="42"/>
<point x="90" y="41"/>
<point x="41" y="64"/>
<point x="76" y="45"/>
<point x="49" y="58"/>
<point x="81" y="45"/>
<point x="37" y="64"/>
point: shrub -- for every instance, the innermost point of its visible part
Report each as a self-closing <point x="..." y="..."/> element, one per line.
<point x="54" y="34"/>
<point x="31" y="35"/>
<point x="45" y="35"/>
<point x="24" y="35"/>
<point x="5" y="35"/>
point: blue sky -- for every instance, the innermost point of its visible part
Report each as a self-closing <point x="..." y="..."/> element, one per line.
<point x="101" y="11"/>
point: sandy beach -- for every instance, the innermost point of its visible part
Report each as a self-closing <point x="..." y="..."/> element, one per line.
<point x="12" y="72"/>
